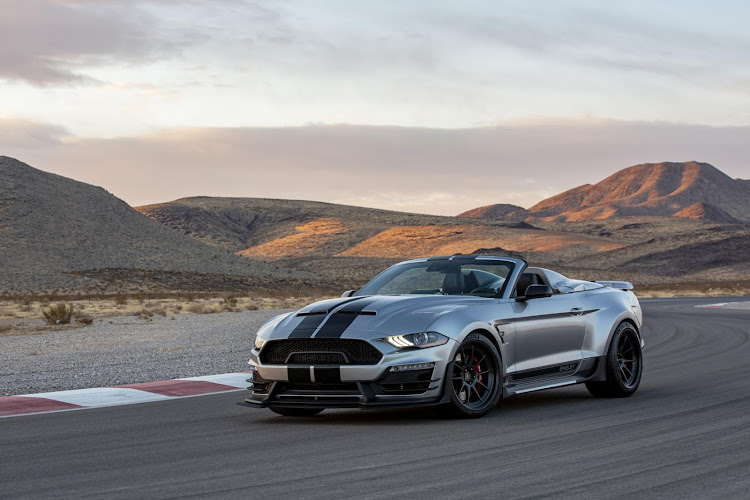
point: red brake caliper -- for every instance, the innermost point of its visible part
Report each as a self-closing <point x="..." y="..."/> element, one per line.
<point x="479" y="367"/>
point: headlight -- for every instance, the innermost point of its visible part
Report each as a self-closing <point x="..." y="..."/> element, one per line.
<point x="419" y="340"/>
<point x="265" y="331"/>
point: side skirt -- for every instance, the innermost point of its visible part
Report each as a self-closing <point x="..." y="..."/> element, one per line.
<point x="552" y="376"/>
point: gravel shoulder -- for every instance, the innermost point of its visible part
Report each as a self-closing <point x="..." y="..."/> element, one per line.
<point x="126" y="350"/>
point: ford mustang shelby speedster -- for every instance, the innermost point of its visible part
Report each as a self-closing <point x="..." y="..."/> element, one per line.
<point x="460" y="331"/>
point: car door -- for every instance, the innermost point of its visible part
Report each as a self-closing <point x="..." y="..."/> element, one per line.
<point x="549" y="331"/>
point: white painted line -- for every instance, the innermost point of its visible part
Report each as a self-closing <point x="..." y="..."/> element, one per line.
<point x="102" y="396"/>
<point x="721" y="304"/>
<point x="238" y="380"/>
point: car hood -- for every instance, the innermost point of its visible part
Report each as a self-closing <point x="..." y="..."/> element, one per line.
<point x="369" y="316"/>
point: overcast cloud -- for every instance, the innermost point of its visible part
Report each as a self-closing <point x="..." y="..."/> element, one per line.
<point x="445" y="105"/>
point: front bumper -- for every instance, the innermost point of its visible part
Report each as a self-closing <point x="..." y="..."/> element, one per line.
<point x="352" y="386"/>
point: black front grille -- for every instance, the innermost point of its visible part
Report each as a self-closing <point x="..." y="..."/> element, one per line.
<point x="296" y="351"/>
<point x="317" y="358"/>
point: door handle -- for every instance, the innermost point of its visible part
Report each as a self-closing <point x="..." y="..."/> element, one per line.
<point x="577" y="311"/>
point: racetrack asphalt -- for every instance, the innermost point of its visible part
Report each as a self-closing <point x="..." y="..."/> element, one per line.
<point x="685" y="433"/>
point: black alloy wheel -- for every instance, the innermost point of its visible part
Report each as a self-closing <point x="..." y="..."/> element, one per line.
<point x="628" y="360"/>
<point x="623" y="365"/>
<point x="475" y="377"/>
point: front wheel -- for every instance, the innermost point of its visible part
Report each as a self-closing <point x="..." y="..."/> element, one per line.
<point x="297" y="412"/>
<point x="624" y="367"/>
<point x="475" y="378"/>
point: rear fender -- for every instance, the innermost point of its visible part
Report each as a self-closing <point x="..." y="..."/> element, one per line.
<point x="601" y="375"/>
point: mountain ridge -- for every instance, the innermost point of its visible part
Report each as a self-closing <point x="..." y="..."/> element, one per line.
<point x="650" y="189"/>
<point x="60" y="234"/>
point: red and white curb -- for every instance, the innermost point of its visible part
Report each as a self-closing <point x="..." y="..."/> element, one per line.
<point x="713" y="306"/>
<point x="98" y="397"/>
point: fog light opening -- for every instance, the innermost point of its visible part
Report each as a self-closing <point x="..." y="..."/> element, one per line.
<point x="413" y="366"/>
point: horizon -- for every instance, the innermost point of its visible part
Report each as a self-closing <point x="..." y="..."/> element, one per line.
<point x="167" y="201"/>
<point x="391" y="105"/>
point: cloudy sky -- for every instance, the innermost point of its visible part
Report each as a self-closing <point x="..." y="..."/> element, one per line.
<point x="435" y="106"/>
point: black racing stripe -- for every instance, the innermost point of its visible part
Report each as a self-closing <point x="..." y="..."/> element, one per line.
<point x="327" y="375"/>
<point x="310" y="322"/>
<point x="336" y="326"/>
<point x="299" y="375"/>
<point x="339" y="321"/>
<point x="307" y="326"/>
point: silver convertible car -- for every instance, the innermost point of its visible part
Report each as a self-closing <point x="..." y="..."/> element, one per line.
<point x="460" y="332"/>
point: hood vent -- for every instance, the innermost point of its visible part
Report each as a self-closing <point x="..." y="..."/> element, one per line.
<point x="359" y="313"/>
<point x="311" y="313"/>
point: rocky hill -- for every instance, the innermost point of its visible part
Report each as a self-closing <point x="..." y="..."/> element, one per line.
<point x="58" y="233"/>
<point x="499" y="211"/>
<point x="354" y="243"/>
<point x="691" y="189"/>
<point x="278" y="230"/>
<point x="705" y="211"/>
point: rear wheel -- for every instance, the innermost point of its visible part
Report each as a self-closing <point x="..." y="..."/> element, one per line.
<point x="624" y="365"/>
<point x="297" y="412"/>
<point x="475" y="378"/>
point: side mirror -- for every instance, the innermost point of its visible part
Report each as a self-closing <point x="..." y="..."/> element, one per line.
<point x="536" y="292"/>
<point x="348" y="293"/>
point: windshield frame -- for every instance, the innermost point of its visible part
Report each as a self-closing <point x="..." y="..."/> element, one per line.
<point x="516" y="267"/>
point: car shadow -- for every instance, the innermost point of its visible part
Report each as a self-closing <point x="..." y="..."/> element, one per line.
<point x="564" y="399"/>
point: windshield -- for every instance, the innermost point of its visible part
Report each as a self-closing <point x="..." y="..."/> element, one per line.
<point x="481" y="278"/>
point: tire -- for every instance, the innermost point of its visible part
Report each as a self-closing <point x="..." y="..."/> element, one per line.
<point x="476" y="386"/>
<point x="297" y="412"/>
<point x="624" y="365"/>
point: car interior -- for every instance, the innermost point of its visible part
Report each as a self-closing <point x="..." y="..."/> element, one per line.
<point x="529" y="277"/>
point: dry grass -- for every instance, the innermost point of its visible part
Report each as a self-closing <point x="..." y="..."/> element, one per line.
<point x="119" y="305"/>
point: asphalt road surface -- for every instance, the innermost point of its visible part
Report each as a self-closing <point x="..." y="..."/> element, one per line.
<point x="685" y="433"/>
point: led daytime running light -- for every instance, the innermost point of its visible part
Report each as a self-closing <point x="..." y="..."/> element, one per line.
<point x="399" y="341"/>
<point x="411" y="367"/>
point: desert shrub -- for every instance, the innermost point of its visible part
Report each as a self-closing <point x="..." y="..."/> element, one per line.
<point x="144" y="314"/>
<point x="5" y="328"/>
<point x="161" y="311"/>
<point x="230" y="301"/>
<point x="59" y="314"/>
<point x="121" y="299"/>
<point x="252" y="307"/>
<point x="83" y="319"/>
<point x="197" y="309"/>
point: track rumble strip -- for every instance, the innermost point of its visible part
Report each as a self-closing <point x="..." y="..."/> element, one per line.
<point x="79" y="399"/>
